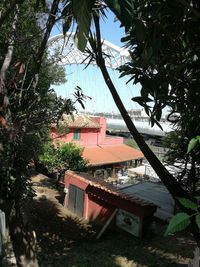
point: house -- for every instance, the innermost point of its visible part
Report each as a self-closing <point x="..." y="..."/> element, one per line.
<point x="107" y="156"/>
<point x="98" y="201"/>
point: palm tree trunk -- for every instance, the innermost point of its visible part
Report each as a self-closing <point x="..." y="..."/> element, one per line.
<point x="169" y="181"/>
<point x="173" y="186"/>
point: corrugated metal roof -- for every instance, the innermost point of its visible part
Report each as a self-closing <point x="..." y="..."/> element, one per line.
<point x="101" y="184"/>
<point x="108" y="154"/>
<point x="155" y="193"/>
<point x="80" y="121"/>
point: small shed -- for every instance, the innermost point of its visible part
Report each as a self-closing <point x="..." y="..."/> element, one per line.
<point x="154" y="192"/>
<point x="96" y="200"/>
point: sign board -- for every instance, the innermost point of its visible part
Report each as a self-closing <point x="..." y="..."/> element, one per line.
<point x="129" y="222"/>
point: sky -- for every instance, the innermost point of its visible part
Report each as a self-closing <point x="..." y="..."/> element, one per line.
<point x="92" y="82"/>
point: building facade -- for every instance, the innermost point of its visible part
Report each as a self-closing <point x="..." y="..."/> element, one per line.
<point x="107" y="156"/>
<point x="97" y="201"/>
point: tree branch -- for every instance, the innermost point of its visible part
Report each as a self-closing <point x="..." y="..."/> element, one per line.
<point x="193" y="10"/>
<point x="49" y="25"/>
<point x="8" y="56"/>
<point x="6" y="13"/>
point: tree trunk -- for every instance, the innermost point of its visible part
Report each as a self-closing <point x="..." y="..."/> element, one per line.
<point x="23" y="240"/>
<point x="168" y="180"/>
<point x="49" y="25"/>
<point x="8" y="56"/>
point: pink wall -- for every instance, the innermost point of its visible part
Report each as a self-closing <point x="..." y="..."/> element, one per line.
<point x="88" y="136"/>
<point x="102" y="133"/>
<point x="113" y="141"/>
<point x="97" y="211"/>
<point x="95" y="206"/>
<point x="94" y="210"/>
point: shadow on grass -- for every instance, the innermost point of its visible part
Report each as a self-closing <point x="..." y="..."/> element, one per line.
<point x="56" y="232"/>
<point x="180" y="244"/>
<point x="65" y="240"/>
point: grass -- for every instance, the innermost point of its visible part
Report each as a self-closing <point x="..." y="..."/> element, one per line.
<point x="67" y="241"/>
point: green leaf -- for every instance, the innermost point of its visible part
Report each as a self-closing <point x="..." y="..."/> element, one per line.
<point x="184" y="44"/>
<point x="38" y="2"/>
<point x="114" y="5"/>
<point x="187" y="203"/>
<point x="179" y="222"/>
<point x="125" y="39"/>
<point x="141" y="99"/>
<point x="193" y="142"/>
<point x="158" y="114"/>
<point x="197" y="218"/>
<point x="66" y="25"/>
<point x="156" y="122"/>
<point x="140" y="30"/>
<point x="123" y="9"/>
<point x="82" y="12"/>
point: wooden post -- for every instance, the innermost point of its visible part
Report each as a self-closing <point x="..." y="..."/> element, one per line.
<point x="107" y="223"/>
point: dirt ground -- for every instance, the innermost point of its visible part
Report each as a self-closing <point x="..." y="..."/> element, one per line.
<point x="67" y="241"/>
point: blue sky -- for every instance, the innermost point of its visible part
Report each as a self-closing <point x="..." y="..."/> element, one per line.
<point x="91" y="80"/>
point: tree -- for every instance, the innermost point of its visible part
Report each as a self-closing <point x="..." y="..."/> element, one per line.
<point x="27" y="108"/>
<point x="61" y="157"/>
<point x="163" y="40"/>
<point x="164" y="62"/>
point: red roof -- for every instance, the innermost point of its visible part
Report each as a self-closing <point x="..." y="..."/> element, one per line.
<point x="108" y="154"/>
<point x="80" y="121"/>
<point x="102" y="185"/>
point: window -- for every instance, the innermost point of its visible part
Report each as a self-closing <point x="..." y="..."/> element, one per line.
<point x="76" y="134"/>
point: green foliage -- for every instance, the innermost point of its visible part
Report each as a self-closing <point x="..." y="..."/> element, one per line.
<point x="162" y="37"/>
<point x="164" y="48"/>
<point x="182" y="220"/>
<point x="131" y="143"/>
<point x="62" y="128"/>
<point x="187" y="204"/>
<point x="124" y="10"/>
<point x="31" y="109"/>
<point x="82" y="12"/>
<point x="178" y="223"/>
<point x="61" y="157"/>
<point x="49" y="157"/>
<point x="198" y="220"/>
<point x="193" y="143"/>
